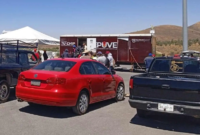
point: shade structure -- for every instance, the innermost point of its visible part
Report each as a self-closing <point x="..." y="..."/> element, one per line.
<point x="29" y="36"/>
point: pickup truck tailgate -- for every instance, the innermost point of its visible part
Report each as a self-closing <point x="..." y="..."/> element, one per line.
<point x="184" y="90"/>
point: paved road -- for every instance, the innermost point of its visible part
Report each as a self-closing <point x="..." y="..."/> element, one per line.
<point x="105" y="118"/>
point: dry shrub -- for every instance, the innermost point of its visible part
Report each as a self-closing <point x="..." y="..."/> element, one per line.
<point x="176" y="49"/>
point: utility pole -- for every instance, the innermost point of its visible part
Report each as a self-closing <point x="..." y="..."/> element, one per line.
<point x="185" y="26"/>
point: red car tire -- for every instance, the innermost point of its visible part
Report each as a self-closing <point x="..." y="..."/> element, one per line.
<point x="120" y="93"/>
<point x="82" y="103"/>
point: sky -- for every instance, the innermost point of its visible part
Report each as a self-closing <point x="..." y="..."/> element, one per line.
<point x="60" y="17"/>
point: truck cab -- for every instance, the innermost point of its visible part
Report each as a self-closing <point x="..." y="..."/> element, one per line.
<point x="12" y="62"/>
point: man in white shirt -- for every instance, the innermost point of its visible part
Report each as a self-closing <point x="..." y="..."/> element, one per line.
<point x="101" y="58"/>
<point x="84" y="46"/>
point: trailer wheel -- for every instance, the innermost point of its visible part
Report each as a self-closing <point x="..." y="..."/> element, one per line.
<point x="4" y="91"/>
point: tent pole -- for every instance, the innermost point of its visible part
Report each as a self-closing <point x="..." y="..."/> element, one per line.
<point x="17" y="58"/>
<point x="1" y="52"/>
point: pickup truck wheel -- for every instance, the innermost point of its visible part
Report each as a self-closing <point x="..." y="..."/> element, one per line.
<point x="4" y="91"/>
<point x="82" y="104"/>
<point x="120" y="93"/>
<point x="142" y="113"/>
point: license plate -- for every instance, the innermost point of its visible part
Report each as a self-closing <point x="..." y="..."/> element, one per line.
<point x="165" y="107"/>
<point x="35" y="83"/>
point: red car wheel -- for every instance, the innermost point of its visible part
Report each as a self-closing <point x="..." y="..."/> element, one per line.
<point x="82" y="104"/>
<point x="120" y="92"/>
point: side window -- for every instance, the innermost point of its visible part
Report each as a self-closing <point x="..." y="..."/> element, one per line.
<point x="9" y="57"/>
<point x="87" y="68"/>
<point x="23" y="59"/>
<point x="102" y="70"/>
<point x="191" y="66"/>
<point x="81" y="70"/>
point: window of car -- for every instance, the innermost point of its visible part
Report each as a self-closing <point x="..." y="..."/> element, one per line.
<point x="9" y="57"/>
<point x="23" y="59"/>
<point x="160" y="65"/>
<point x="102" y="70"/>
<point x="87" y="68"/>
<point x="55" y="65"/>
<point x="191" y="66"/>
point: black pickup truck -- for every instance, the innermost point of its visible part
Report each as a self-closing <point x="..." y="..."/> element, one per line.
<point x="170" y="86"/>
<point x="12" y="62"/>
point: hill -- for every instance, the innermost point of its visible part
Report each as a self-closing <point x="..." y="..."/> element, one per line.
<point x="195" y="26"/>
<point x="172" y="32"/>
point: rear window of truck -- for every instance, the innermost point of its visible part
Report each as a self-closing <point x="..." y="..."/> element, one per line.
<point x="176" y="66"/>
<point x="55" y="65"/>
<point x="161" y="65"/>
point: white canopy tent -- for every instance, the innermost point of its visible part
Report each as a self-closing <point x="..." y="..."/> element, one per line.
<point x="29" y="36"/>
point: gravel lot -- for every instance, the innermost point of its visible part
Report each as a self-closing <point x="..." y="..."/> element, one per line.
<point x="104" y="118"/>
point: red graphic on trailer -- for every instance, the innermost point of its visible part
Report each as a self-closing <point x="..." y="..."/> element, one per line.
<point x="104" y="44"/>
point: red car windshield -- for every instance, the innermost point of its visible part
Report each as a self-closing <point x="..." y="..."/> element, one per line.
<point x="55" y="65"/>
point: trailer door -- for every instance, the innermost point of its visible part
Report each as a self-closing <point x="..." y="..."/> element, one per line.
<point x="91" y="43"/>
<point x="123" y="48"/>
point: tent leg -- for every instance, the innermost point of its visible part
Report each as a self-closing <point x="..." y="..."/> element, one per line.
<point x="1" y="52"/>
<point x="17" y="58"/>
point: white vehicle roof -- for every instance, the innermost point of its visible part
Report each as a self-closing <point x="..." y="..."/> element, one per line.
<point x="190" y="51"/>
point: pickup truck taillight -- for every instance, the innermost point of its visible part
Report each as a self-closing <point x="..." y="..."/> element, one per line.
<point x="131" y="84"/>
<point x="54" y="80"/>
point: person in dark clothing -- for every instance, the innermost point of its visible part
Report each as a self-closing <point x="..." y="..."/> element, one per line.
<point x="65" y="54"/>
<point x="148" y="61"/>
<point x="45" y="56"/>
<point x="77" y="50"/>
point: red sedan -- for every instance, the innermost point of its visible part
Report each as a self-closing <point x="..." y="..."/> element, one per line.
<point x="69" y="82"/>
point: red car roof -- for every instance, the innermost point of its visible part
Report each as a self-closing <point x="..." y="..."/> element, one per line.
<point x="72" y="59"/>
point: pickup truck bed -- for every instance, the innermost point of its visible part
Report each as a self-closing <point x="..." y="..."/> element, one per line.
<point x="172" y="87"/>
<point x="177" y="93"/>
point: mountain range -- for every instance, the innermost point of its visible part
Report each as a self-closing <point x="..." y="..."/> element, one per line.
<point x="172" y="32"/>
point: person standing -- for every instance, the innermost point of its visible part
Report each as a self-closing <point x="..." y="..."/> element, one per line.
<point x="111" y="60"/>
<point x="91" y="54"/>
<point x="39" y="56"/>
<point x="101" y="58"/>
<point x="45" y="56"/>
<point x="65" y="54"/>
<point x="148" y="61"/>
<point x="84" y="47"/>
<point x="76" y="51"/>
<point x="36" y="54"/>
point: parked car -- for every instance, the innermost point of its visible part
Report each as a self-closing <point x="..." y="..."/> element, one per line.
<point x="189" y="53"/>
<point x="69" y="82"/>
<point x="12" y="62"/>
<point x="170" y="86"/>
